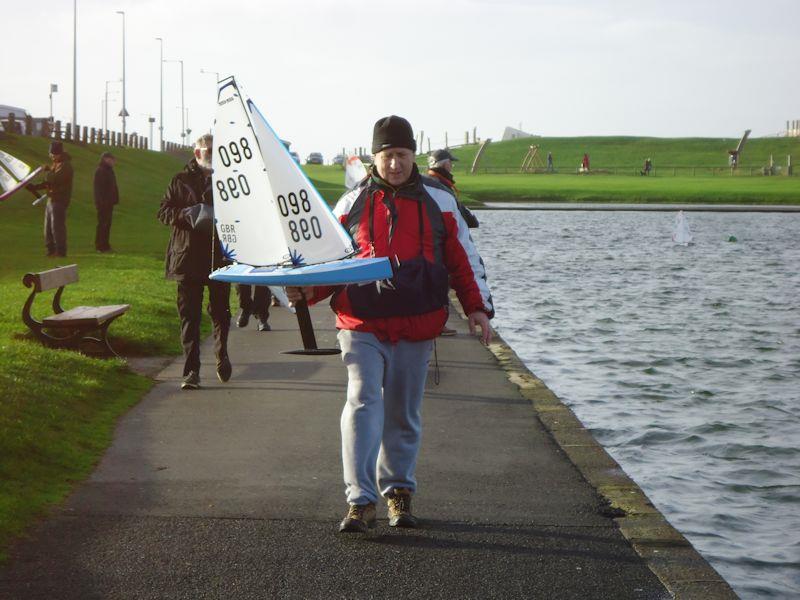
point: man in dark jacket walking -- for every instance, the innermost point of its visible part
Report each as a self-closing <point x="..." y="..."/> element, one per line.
<point x="440" y="168"/>
<point x="193" y="252"/>
<point x="58" y="183"/>
<point x="106" y="195"/>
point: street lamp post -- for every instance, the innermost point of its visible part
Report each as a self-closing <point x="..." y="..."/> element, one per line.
<point x="53" y="90"/>
<point x="161" y="117"/>
<point x="183" y="109"/>
<point x="105" y="113"/>
<point x="74" y="63"/>
<point x="124" y="112"/>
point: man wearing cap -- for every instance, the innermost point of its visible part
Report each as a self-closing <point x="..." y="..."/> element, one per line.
<point x="440" y="168"/>
<point x="386" y="332"/>
<point x="106" y="195"/>
<point x="58" y="183"/>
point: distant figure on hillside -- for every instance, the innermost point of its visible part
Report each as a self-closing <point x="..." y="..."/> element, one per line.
<point x="550" y="162"/>
<point x="58" y="183"/>
<point x="648" y="165"/>
<point x="585" y="164"/>
<point x="106" y="195"/>
<point x="194" y="251"/>
<point x="254" y="299"/>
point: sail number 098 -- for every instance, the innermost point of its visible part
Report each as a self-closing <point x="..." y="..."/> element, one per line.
<point x="232" y="154"/>
<point x="302" y="228"/>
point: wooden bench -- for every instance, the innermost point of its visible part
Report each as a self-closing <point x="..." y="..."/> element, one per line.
<point x="69" y="328"/>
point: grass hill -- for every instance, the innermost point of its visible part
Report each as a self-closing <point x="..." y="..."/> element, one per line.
<point x="58" y="407"/>
<point x="620" y="151"/>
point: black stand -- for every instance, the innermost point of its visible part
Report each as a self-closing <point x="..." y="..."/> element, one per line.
<point x="307" y="333"/>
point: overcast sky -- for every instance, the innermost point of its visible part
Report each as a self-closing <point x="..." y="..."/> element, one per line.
<point x="323" y="71"/>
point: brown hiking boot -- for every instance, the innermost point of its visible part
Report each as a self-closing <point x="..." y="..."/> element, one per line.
<point x="359" y="519"/>
<point x="447" y="332"/>
<point x="399" y="501"/>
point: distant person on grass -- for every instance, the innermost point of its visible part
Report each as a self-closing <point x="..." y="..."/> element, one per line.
<point x="106" y="195"/>
<point x="549" y="162"/>
<point x="193" y="252"/>
<point x="58" y="183"/>
<point x="386" y="333"/>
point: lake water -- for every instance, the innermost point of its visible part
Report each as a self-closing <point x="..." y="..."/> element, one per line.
<point x="683" y="361"/>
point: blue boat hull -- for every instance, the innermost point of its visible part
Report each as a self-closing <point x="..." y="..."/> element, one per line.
<point x="350" y="270"/>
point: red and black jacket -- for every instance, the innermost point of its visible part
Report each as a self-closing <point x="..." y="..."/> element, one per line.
<point x="395" y="233"/>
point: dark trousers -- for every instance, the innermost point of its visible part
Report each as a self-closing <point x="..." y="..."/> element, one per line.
<point x="55" y="228"/>
<point x="255" y="302"/>
<point x="190" y="309"/>
<point x="102" y="236"/>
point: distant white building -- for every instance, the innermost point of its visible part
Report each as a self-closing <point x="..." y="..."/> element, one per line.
<point x="19" y="113"/>
<point x="510" y="133"/>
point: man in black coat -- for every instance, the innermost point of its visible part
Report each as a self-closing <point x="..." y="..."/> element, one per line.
<point x="193" y="252"/>
<point x="106" y="195"/>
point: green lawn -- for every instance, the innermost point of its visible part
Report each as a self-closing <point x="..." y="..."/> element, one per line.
<point x="630" y="152"/>
<point x="59" y="407"/>
<point x="618" y="188"/>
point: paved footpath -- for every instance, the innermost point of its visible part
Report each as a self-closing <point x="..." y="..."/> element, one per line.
<point x="234" y="491"/>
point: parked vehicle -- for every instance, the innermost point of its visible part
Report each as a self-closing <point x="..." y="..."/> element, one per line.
<point x="338" y="159"/>
<point x="295" y="156"/>
<point x="315" y="158"/>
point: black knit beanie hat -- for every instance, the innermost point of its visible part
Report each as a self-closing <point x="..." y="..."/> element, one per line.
<point x="56" y="148"/>
<point x="392" y="132"/>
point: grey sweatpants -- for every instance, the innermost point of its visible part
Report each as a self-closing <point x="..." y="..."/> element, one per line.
<point x="381" y="428"/>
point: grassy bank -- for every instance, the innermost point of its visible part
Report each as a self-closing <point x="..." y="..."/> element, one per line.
<point x="630" y="152"/>
<point x="58" y="407"/>
<point x="618" y="188"/>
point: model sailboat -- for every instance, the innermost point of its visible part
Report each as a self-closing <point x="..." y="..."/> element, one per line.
<point x="681" y="234"/>
<point x="271" y="221"/>
<point x="15" y="175"/>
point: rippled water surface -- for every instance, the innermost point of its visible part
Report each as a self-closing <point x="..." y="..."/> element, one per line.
<point x="684" y="362"/>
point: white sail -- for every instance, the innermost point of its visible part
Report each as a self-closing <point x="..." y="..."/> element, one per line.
<point x="18" y="168"/>
<point x="6" y="180"/>
<point x="244" y="207"/>
<point x="354" y="171"/>
<point x="311" y="231"/>
<point x="266" y="210"/>
<point x="681" y="233"/>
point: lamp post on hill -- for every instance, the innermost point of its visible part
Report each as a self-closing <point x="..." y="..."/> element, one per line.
<point x="124" y="112"/>
<point x="183" y="120"/>
<point x="74" y="62"/>
<point x="161" y="116"/>
<point x="53" y="90"/>
<point x="105" y="112"/>
<point x="105" y="108"/>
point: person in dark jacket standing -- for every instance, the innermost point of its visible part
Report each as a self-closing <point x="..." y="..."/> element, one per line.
<point x="193" y="252"/>
<point x="386" y="334"/>
<point x="58" y="183"/>
<point x="106" y="195"/>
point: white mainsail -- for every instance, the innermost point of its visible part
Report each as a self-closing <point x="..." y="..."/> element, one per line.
<point x="6" y="180"/>
<point x="681" y="233"/>
<point x="354" y="171"/>
<point x="18" y="168"/>
<point x="266" y="210"/>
